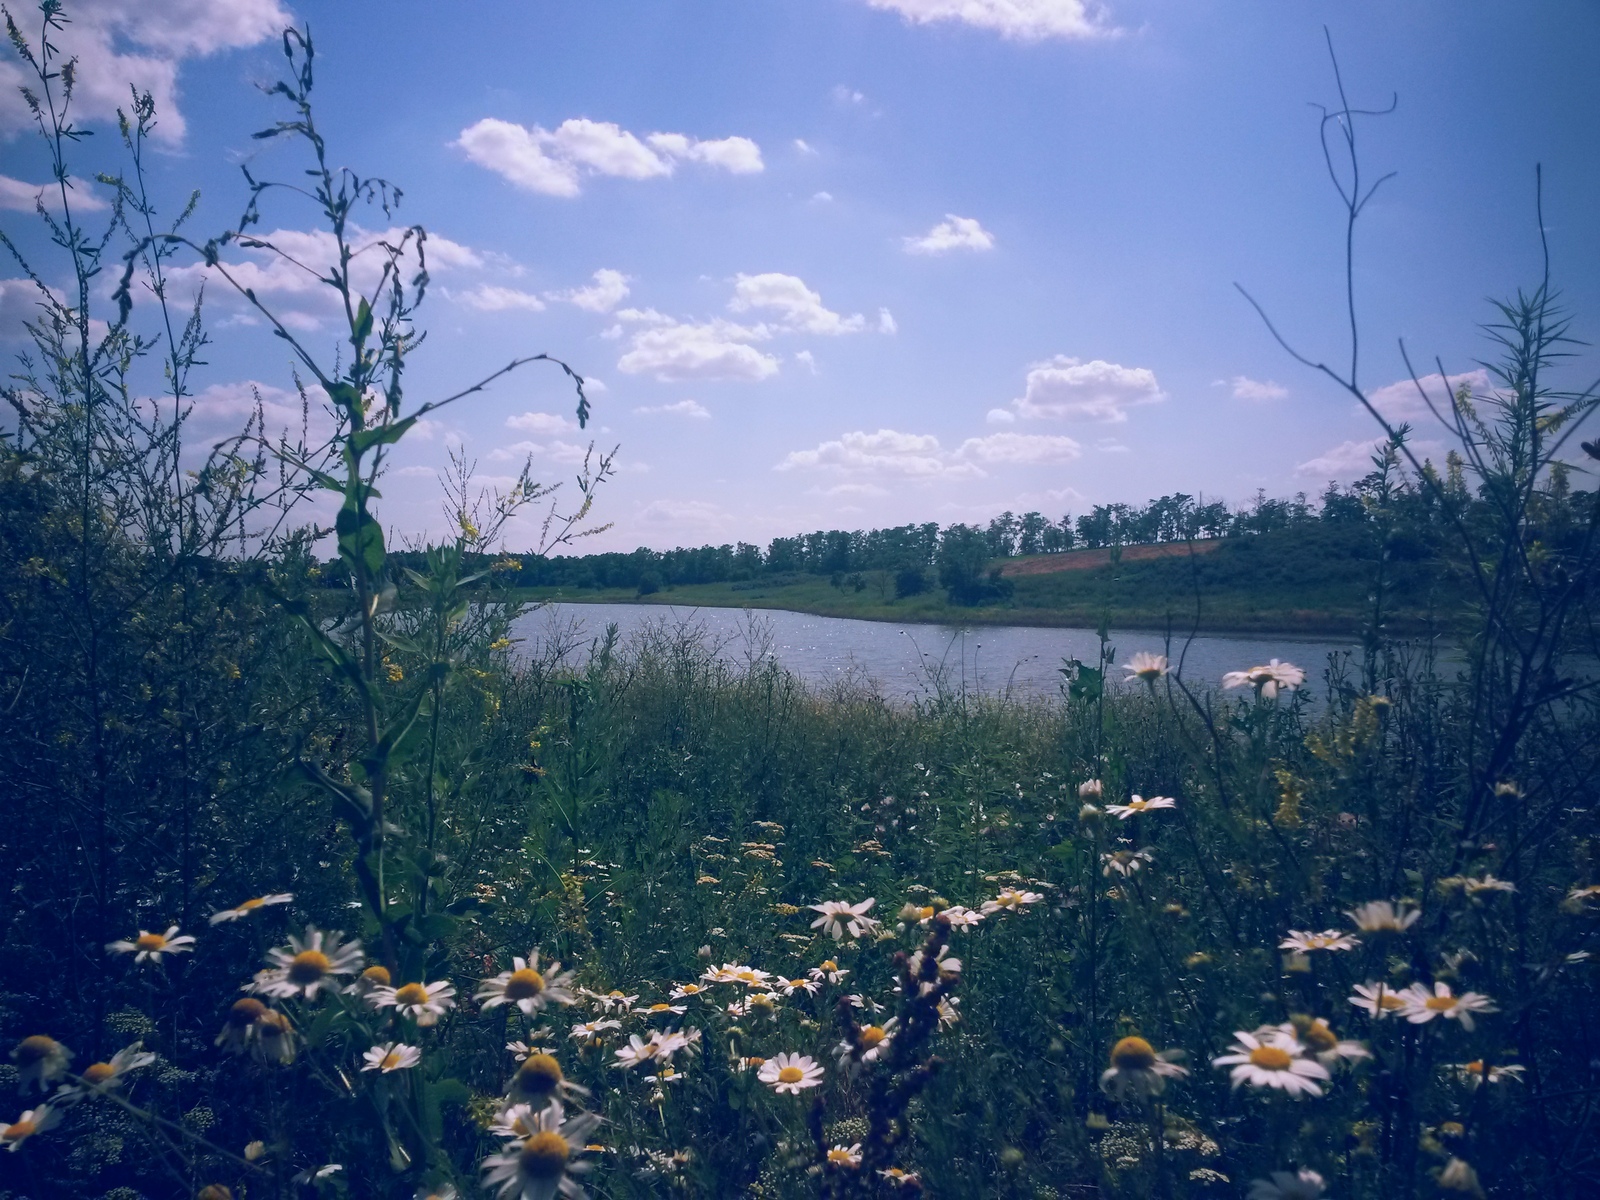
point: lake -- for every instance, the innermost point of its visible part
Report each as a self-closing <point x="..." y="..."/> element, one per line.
<point x="903" y="661"/>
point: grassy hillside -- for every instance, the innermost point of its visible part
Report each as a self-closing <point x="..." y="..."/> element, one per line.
<point x="1316" y="578"/>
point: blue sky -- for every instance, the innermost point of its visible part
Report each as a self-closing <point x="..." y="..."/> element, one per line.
<point x="861" y="262"/>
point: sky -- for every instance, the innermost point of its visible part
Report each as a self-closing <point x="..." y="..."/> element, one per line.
<point x="856" y="263"/>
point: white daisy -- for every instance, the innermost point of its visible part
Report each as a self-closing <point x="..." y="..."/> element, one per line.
<point x="829" y="970"/>
<point x="791" y="1073"/>
<point x="1124" y="862"/>
<point x="872" y="1043"/>
<point x="1380" y="916"/>
<point x="1304" y="941"/>
<point x="845" y="1157"/>
<point x="804" y="983"/>
<point x="527" y="988"/>
<point x="308" y="965"/>
<point x="1303" y="1184"/>
<point x="426" y="1002"/>
<point x="1478" y="1072"/>
<point x="391" y="1056"/>
<point x="1268" y="679"/>
<point x="103" y="1076"/>
<point x="1139" y="804"/>
<point x="660" y="1009"/>
<point x="1422" y="1006"/>
<point x="250" y="906"/>
<point x="1320" y="1038"/>
<point x="958" y="916"/>
<point x="1378" y="999"/>
<point x="35" y="1120"/>
<point x="150" y="947"/>
<point x="1137" y="1070"/>
<point x="1011" y="900"/>
<point x="40" y="1060"/>
<point x="1273" y="1060"/>
<point x="686" y="991"/>
<point x="541" y="1166"/>
<point x="612" y="1001"/>
<point x="587" y="1031"/>
<point x="539" y="1078"/>
<point x="899" y="1177"/>
<point x="837" y="917"/>
<point x="1146" y="666"/>
<point x="1091" y="789"/>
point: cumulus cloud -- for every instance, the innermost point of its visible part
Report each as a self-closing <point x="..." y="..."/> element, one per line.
<point x="1022" y="20"/>
<point x="891" y="453"/>
<point x="555" y="162"/>
<point x="133" y="42"/>
<point x="20" y="301"/>
<point x="1064" y="388"/>
<point x="1245" y="388"/>
<point x="675" y="352"/>
<point x="1400" y="401"/>
<point x="1001" y="416"/>
<point x="556" y="450"/>
<point x="489" y="297"/>
<point x="609" y="289"/>
<point x="1347" y="460"/>
<point x="701" y="514"/>
<point x="952" y="233"/>
<point x="796" y="306"/>
<point x="683" y="408"/>
<point x="24" y="197"/>
<point x="541" y="423"/>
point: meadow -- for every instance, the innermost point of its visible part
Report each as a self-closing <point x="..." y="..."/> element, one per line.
<point x="336" y="891"/>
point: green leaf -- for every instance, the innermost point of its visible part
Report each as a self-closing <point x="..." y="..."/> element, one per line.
<point x="362" y="329"/>
<point x="436" y="926"/>
<point x="363" y="440"/>
<point x="360" y="537"/>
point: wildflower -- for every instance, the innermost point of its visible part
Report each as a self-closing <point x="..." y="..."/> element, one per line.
<point x="541" y="1166"/>
<point x="661" y="1046"/>
<point x="1011" y="899"/>
<point x="103" y="1076"/>
<point x="1303" y="1184"/>
<point x="1421" y="1006"/>
<point x="539" y="1078"/>
<point x="1477" y="1072"/>
<point x="1379" y="916"/>
<point x="35" y="1120"/>
<point x="848" y="1157"/>
<point x="686" y="990"/>
<point x="959" y="917"/>
<point x="1304" y="941"/>
<point x="949" y="1011"/>
<point x="1091" y="789"/>
<point x="587" y="1031"/>
<point x="426" y="1002"/>
<point x="1579" y="894"/>
<point x="1139" y="804"/>
<point x="790" y="1073"/>
<point x="1486" y="883"/>
<point x="242" y="1024"/>
<point x="1146" y="666"/>
<point x="1088" y="813"/>
<point x="1268" y="679"/>
<point x="274" y="1040"/>
<point x="837" y="917"/>
<point x="149" y="947"/>
<point x="250" y="906"/>
<point x="40" y="1059"/>
<point x="253" y="1151"/>
<point x="1378" y="999"/>
<point x="749" y="976"/>
<point x="610" y="1001"/>
<point x="443" y="1191"/>
<point x="1458" y="1176"/>
<point x="828" y="970"/>
<point x="1125" y="862"/>
<point x="656" y="1010"/>
<point x="391" y="1056"/>
<point x="945" y="967"/>
<point x="370" y="980"/>
<point x="1324" y="1043"/>
<point x="1272" y="1059"/>
<point x="521" y="1050"/>
<point x="514" y="1122"/>
<point x="312" y="1174"/>
<point x="1137" y="1070"/>
<point x="872" y="1043"/>
<point x="804" y="984"/>
<point x="527" y="988"/>
<point x="308" y="965"/>
<point x="900" y="1178"/>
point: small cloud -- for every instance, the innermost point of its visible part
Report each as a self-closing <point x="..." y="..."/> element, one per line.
<point x="541" y="423"/>
<point x="594" y="384"/>
<point x="1110" y="446"/>
<point x="804" y="147"/>
<point x="1401" y="401"/>
<point x="1062" y="388"/>
<point x="610" y="288"/>
<point x="696" y="514"/>
<point x="805" y="357"/>
<point x="1019" y="20"/>
<point x="416" y="471"/>
<point x="1347" y="460"/>
<point x="1001" y="416"/>
<point x="675" y="352"/>
<point x="886" y="322"/>
<point x="856" y="489"/>
<point x="1245" y="388"/>
<point x="847" y="95"/>
<point x="24" y="197"/>
<point x="797" y="306"/>
<point x="683" y="408"/>
<point x="488" y="297"/>
<point x="953" y="233"/>
<point x="822" y="198"/>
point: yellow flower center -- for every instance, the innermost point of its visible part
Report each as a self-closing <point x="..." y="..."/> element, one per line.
<point x="1439" y="1004"/>
<point x="1271" y="1058"/>
<point x="34" y="1049"/>
<point x="411" y="993"/>
<point x="1321" y="1037"/>
<point x="663" y="1007"/>
<point x="690" y="989"/>
<point x="525" y="985"/>
<point x="762" y="1001"/>
<point x="245" y="1013"/>
<point x="22" y="1129"/>
<point x="390" y="1061"/>
<point x="539" y="1075"/>
<point x="840" y="1157"/>
<point x="97" y="1073"/>
<point x="150" y="941"/>
<point x="791" y="1075"/>
<point x="1390" y="1001"/>
<point x="544" y="1156"/>
<point x="829" y="965"/>
<point x="796" y="983"/>
<point x="1133" y="1054"/>
<point x="755" y="1061"/>
<point x="872" y="1035"/>
<point x="252" y="904"/>
<point x="376" y="975"/>
<point x="309" y="966"/>
<point x="274" y="1024"/>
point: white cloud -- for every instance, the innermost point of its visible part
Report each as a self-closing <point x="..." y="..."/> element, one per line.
<point x="24" y="197"/>
<point x="1023" y="20"/>
<point x="700" y="514"/>
<point x="1001" y="416"/>
<point x="1245" y="388"/>
<point x="886" y="322"/>
<point x="804" y="147"/>
<point x="556" y="450"/>
<point x="797" y="306"/>
<point x="675" y="352"/>
<point x="123" y="42"/>
<point x="806" y="359"/>
<point x="683" y="408"/>
<point x="1400" y="401"/>
<point x="609" y="289"/>
<point x="847" y="95"/>
<point x="822" y="198"/>
<point x="952" y="233"/>
<point x="1347" y="460"/>
<point x="488" y="297"/>
<point x="541" y="423"/>
<point x="865" y="490"/>
<point x="1022" y="449"/>
<point x="1063" y="388"/>
<point x="553" y="162"/>
<point x="20" y="301"/>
